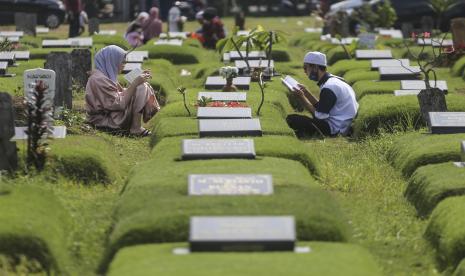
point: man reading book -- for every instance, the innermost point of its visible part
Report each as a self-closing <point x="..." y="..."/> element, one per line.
<point x="334" y="111"/>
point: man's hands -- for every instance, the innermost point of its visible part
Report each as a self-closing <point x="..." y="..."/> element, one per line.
<point x="301" y="91"/>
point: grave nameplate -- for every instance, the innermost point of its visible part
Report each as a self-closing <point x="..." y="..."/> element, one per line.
<point x="373" y="54"/>
<point x="217" y="148"/>
<point x="8" y="57"/>
<point x="224" y="96"/>
<point x="376" y="63"/>
<point x="13" y="39"/>
<point x="241" y="64"/>
<point x="224" y="113"/>
<point x="412" y="92"/>
<point x="62" y="64"/>
<point x="420" y="85"/>
<point x="313" y="30"/>
<point x="243" y="33"/>
<point x="56" y="43"/>
<point x="234" y="55"/>
<point x="391" y="33"/>
<point x="128" y="67"/>
<point x="217" y="82"/>
<point x="58" y="132"/>
<point x="230" y="128"/>
<point x="399" y="73"/>
<point x="12" y="34"/>
<point x="230" y="184"/>
<point x="8" y="152"/>
<point x="435" y="42"/>
<point x="172" y="42"/>
<point x="42" y="30"/>
<point x="242" y="233"/>
<point x="32" y="76"/>
<point x="107" y="32"/>
<point x="447" y="122"/>
<point x="22" y="55"/>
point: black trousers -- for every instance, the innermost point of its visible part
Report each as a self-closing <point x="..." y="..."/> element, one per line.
<point x="74" y="25"/>
<point x="304" y="126"/>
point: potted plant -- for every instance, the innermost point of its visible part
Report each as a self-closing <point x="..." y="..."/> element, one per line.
<point x="229" y="73"/>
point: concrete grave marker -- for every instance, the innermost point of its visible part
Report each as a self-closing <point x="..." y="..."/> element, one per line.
<point x="42" y="30"/>
<point x="8" y="57"/>
<point x="12" y="34"/>
<point x="242" y="233"/>
<point x="82" y="64"/>
<point x="26" y="22"/>
<point x="172" y="42"/>
<point x="61" y="63"/>
<point x="253" y="55"/>
<point x="413" y="92"/>
<point x="85" y="42"/>
<point x="144" y="54"/>
<point x="58" y="132"/>
<point x="224" y="113"/>
<point x="436" y="42"/>
<point x="224" y="96"/>
<point x="241" y="64"/>
<point x="13" y="39"/>
<point x="134" y="58"/>
<point x="376" y="63"/>
<point x="392" y="33"/>
<point x="22" y="55"/>
<point x="107" y="32"/>
<point x="229" y="127"/>
<point x="373" y="54"/>
<point x="313" y="30"/>
<point x="230" y="184"/>
<point x="56" y="43"/>
<point x="399" y="73"/>
<point x="420" y="85"/>
<point x="8" y="153"/>
<point x="447" y="122"/>
<point x="32" y="76"/>
<point x="217" y="148"/>
<point x="218" y="82"/>
<point x="343" y="41"/>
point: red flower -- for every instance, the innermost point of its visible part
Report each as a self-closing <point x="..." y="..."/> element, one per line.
<point x="426" y="35"/>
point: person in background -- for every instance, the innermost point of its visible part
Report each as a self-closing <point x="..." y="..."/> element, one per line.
<point x="74" y="8"/>
<point x="92" y="10"/>
<point x="175" y="21"/>
<point x="112" y="107"/>
<point x="134" y="33"/>
<point x="153" y="25"/>
<point x="334" y="111"/>
<point x="212" y="28"/>
<point x="83" y="20"/>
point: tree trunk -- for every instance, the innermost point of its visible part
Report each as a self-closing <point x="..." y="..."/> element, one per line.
<point x="431" y="100"/>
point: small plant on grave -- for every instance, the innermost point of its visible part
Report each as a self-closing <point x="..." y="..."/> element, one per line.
<point x="229" y="73"/>
<point x="6" y="45"/>
<point x="182" y="91"/>
<point x="262" y="86"/>
<point x="204" y="101"/>
<point x="234" y="42"/>
<point x="74" y="121"/>
<point x="39" y="120"/>
<point x="265" y="40"/>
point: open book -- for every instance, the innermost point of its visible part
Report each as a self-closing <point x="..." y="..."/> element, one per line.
<point x="290" y="83"/>
<point x="131" y="76"/>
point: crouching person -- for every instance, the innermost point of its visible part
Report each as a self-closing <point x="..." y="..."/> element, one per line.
<point x="334" y="111"/>
<point x="109" y="105"/>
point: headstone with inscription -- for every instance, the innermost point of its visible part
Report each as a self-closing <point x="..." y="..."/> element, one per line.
<point x="242" y="233"/>
<point x="373" y="54"/>
<point x="8" y="153"/>
<point x="85" y="42"/>
<point x="447" y="122"/>
<point x="224" y="96"/>
<point x="224" y="113"/>
<point x="12" y="34"/>
<point x="399" y="73"/>
<point x="82" y="65"/>
<point x="420" y="85"/>
<point x="376" y="63"/>
<point x="61" y="63"/>
<point x="26" y="22"/>
<point x="32" y="76"/>
<point x="217" y="148"/>
<point x="229" y="127"/>
<point x="217" y="82"/>
<point x="230" y="184"/>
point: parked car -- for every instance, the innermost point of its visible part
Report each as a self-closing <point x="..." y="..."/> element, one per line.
<point x="50" y="13"/>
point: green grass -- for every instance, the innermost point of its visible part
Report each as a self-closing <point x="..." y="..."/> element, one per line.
<point x="459" y="67"/>
<point x="431" y="184"/>
<point x="414" y="150"/>
<point x="335" y="54"/>
<point x="35" y="224"/>
<point x="460" y="271"/>
<point x="176" y="55"/>
<point x="324" y="259"/>
<point x="355" y="75"/>
<point x="446" y="232"/>
<point x="364" y="88"/>
<point x="341" y="67"/>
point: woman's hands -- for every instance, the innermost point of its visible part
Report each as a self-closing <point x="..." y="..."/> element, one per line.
<point x="144" y="77"/>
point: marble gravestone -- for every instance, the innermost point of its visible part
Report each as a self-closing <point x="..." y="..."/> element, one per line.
<point x="12" y="34"/>
<point x="373" y="54"/>
<point x="85" y="42"/>
<point x="8" y="57"/>
<point x="42" y="30"/>
<point x="230" y="184"/>
<point x="62" y="64"/>
<point x="56" y="43"/>
<point x="447" y="122"/>
<point x="229" y="127"/>
<point x="242" y="233"/>
<point x="224" y="96"/>
<point x="13" y="39"/>
<point x="217" y="148"/>
<point x="218" y="82"/>
<point x="420" y="85"/>
<point x="22" y="55"/>
<point x="224" y="113"/>
<point x="32" y="76"/>
<point x="412" y="92"/>
<point x="26" y="22"/>
<point x="377" y="63"/>
<point x="435" y="42"/>
<point x="313" y="30"/>
<point x="144" y="54"/>
<point x="399" y="73"/>
<point x="82" y="64"/>
<point x="8" y="153"/>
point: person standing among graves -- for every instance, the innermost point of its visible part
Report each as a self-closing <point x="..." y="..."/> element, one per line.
<point x="74" y="8"/>
<point x="109" y="105"/>
<point x="334" y="111"/>
<point x="134" y="33"/>
<point x="153" y="26"/>
<point x="175" y="21"/>
<point x="212" y="28"/>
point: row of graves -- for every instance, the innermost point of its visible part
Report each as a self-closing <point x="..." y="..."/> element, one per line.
<point x="433" y="162"/>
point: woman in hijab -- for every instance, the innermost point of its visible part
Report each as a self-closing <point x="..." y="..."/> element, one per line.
<point x="134" y="33"/>
<point x="110" y="106"/>
<point x="153" y="26"/>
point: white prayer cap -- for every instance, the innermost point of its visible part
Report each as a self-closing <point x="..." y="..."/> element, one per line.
<point x="199" y="15"/>
<point x="315" y="58"/>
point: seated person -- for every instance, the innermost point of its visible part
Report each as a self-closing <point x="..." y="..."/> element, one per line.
<point x="152" y="26"/>
<point x="110" y="106"/>
<point x="212" y="28"/>
<point x="334" y="111"/>
<point x="135" y="33"/>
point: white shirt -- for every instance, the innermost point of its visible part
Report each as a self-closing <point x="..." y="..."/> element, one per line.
<point x="174" y="16"/>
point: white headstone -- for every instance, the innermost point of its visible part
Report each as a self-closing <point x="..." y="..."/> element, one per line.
<point x="33" y="75"/>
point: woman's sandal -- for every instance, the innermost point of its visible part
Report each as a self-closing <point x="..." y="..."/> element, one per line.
<point x="144" y="133"/>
